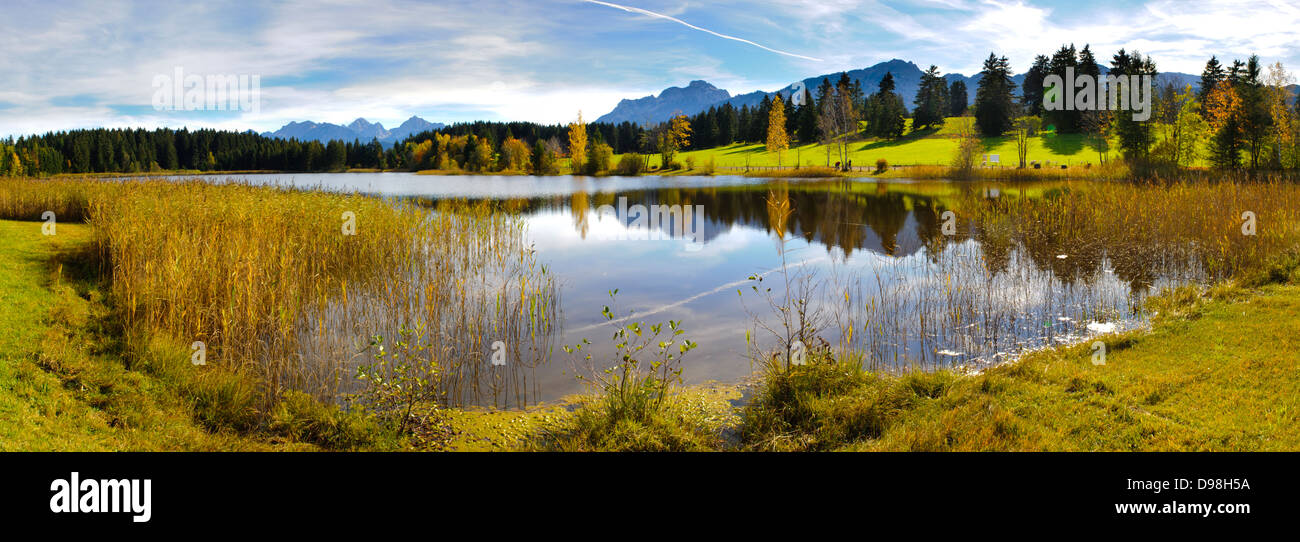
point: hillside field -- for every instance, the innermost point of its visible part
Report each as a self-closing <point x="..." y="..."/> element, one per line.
<point x="927" y="147"/>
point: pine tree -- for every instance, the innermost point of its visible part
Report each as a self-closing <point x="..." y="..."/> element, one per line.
<point x="1211" y="76"/>
<point x="885" y="113"/>
<point x="1088" y="64"/>
<point x="931" y="101"/>
<point x="1134" y="136"/>
<point x="1065" y="121"/>
<point x="886" y="82"/>
<point x="1032" y="89"/>
<point x="993" y="102"/>
<point x="958" y="99"/>
<point x="807" y="130"/>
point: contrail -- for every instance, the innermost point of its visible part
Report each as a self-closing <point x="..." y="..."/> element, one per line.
<point x="630" y="9"/>
<point x="676" y="304"/>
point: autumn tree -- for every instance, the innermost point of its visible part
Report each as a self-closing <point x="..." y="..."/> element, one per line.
<point x="777" y="140"/>
<point x="1097" y="126"/>
<point x="969" y="147"/>
<point x="577" y="144"/>
<point x="1223" y="113"/>
<point x="1286" y="125"/>
<point x="674" y="135"/>
<point x="515" y="155"/>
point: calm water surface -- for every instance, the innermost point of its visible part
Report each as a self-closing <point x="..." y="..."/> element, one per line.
<point x="917" y="296"/>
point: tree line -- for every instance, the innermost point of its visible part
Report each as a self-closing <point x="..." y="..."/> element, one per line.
<point x="115" y="150"/>
<point x="1240" y="117"/>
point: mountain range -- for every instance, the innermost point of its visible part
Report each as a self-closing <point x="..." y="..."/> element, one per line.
<point x="700" y="95"/>
<point x="693" y="98"/>
<point x="359" y="130"/>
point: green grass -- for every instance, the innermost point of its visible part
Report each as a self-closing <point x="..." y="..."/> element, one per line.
<point x="1219" y="375"/>
<point x="70" y="382"/>
<point x="927" y="147"/>
<point x="57" y="389"/>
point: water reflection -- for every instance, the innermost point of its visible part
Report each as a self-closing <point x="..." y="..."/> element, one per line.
<point x="914" y="274"/>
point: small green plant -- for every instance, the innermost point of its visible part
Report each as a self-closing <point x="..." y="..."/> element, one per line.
<point x="882" y="165"/>
<point x="648" y="360"/>
<point x="401" y="385"/>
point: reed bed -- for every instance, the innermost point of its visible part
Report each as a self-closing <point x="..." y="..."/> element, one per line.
<point x="1146" y="228"/>
<point x="1022" y="273"/>
<point x="271" y="282"/>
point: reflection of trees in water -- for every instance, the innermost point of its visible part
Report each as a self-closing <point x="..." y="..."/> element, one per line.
<point x="929" y="227"/>
<point x="837" y="219"/>
<point x="886" y="214"/>
<point x="578" y="205"/>
<point x="838" y="216"/>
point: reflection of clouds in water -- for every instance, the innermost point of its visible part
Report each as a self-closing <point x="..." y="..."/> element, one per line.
<point x="718" y="289"/>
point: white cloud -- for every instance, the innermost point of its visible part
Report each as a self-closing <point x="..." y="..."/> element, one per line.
<point x="85" y="63"/>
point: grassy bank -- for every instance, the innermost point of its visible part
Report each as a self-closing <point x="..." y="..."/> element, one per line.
<point x="1220" y="374"/>
<point x="69" y="382"/>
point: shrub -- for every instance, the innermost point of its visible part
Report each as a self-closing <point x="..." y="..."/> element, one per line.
<point x="401" y="385"/>
<point x="882" y="165"/>
<point x="631" y="164"/>
<point x="599" y="158"/>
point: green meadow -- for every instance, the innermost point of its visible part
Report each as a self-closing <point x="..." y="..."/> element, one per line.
<point x="930" y="147"/>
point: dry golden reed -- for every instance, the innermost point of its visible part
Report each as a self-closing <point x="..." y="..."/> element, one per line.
<point x="273" y="281"/>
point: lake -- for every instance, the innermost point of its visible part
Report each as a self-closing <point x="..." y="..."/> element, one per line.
<point x="892" y="268"/>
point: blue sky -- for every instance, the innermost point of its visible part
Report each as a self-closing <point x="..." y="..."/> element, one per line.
<point x="74" y="64"/>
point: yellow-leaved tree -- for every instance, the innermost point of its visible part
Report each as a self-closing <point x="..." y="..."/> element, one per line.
<point x="777" y="140"/>
<point x="577" y="144"/>
<point x="673" y="136"/>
